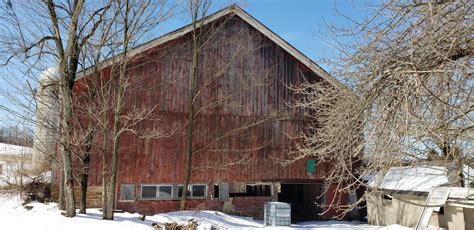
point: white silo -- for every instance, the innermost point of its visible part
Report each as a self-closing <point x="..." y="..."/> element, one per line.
<point x="47" y="119"/>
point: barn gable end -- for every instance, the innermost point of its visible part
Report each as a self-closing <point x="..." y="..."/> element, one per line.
<point x="240" y="139"/>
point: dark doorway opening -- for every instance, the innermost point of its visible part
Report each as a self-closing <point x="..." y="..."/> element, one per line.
<point x="303" y="199"/>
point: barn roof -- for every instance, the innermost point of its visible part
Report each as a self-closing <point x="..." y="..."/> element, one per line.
<point x="237" y="11"/>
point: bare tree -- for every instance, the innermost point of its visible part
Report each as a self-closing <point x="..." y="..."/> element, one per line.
<point x="205" y="96"/>
<point x="198" y="9"/>
<point x="16" y="135"/>
<point x="67" y="58"/>
<point x="100" y="94"/>
<point x="134" y="20"/>
<point x="30" y="45"/>
<point x="68" y="63"/>
<point x="410" y="73"/>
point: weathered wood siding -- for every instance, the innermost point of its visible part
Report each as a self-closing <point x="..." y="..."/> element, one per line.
<point x="242" y="63"/>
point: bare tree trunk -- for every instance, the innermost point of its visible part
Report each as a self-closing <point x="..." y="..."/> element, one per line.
<point x="67" y="159"/>
<point x="192" y="92"/>
<point x="110" y="205"/>
<point x="68" y="61"/>
<point x="109" y="214"/>
<point x="116" y="141"/>
<point x="67" y="127"/>
<point x="83" y="193"/>
<point x="104" y="169"/>
<point x="61" y="202"/>
<point x="189" y="141"/>
<point x="85" y="171"/>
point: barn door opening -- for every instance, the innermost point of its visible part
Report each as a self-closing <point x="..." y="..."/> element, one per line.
<point x="303" y="198"/>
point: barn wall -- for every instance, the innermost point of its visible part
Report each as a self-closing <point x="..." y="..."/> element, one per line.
<point x="237" y="63"/>
<point x="159" y="78"/>
<point x="337" y="198"/>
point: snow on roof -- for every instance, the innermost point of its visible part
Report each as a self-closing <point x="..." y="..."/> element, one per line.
<point x="8" y="149"/>
<point x="417" y="178"/>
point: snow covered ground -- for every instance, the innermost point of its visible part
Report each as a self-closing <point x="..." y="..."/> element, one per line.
<point x="13" y="158"/>
<point x="8" y="149"/>
<point x="47" y="216"/>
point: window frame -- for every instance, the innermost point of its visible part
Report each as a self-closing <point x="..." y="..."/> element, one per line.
<point x="133" y="192"/>
<point x="157" y="197"/>
<point x="190" y="190"/>
<point x="387" y="200"/>
<point x="164" y="185"/>
<point x="141" y="191"/>
<point x="205" y="190"/>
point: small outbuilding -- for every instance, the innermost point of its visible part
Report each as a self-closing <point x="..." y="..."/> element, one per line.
<point x="421" y="197"/>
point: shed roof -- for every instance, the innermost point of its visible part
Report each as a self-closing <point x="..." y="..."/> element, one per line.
<point x="416" y="178"/>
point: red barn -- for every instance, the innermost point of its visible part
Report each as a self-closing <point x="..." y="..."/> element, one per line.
<point x="242" y="130"/>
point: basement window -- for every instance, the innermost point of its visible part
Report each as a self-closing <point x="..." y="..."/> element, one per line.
<point x="156" y="191"/>
<point x="165" y="191"/>
<point x="386" y="200"/>
<point x="148" y="191"/>
<point x="194" y="190"/>
<point x="198" y="190"/>
<point x="127" y="192"/>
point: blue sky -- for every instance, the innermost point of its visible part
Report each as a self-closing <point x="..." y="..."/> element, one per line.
<point x="300" y="22"/>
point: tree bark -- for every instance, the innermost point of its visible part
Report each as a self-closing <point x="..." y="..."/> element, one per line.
<point x="192" y="92"/>
<point x="67" y="160"/>
<point x="83" y="193"/>
<point x="104" y="169"/>
<point x="85" y="170"/>
<point x="66" y="141"/>
<point x="110" y="205"/>
<point x="61" y="202"/>
<point x="67" y="127"/>
<point x="67" y="67"/>
<point x="109" y="213"/>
